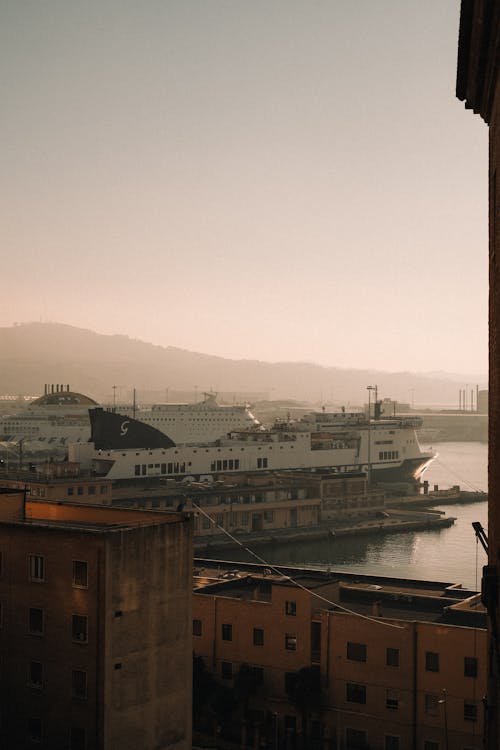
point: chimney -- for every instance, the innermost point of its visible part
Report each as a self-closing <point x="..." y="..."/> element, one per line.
<point x="52" y="388"/>
<point x="377" y="609"/>
<point x="67" y="388"/>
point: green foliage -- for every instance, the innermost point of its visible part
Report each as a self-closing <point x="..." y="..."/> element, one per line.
<point x="304" y="688"/>
<point x="246" y="683"/>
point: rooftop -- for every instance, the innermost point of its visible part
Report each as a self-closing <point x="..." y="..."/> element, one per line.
<point x="372" y="596"/>
<point x="15" y="510"/>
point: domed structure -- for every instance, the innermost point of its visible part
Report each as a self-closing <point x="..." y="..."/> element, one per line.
<point x="50" y="422"/>
<point x="59" y="395"/>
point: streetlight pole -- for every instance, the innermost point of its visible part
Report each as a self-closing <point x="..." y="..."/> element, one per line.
<point x="370" y="388"/>
<point x="442" y="701"/>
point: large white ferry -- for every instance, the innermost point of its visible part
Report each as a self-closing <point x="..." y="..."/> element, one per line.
<point x="386" y="448"/>
<point x="50" y="422"/>
<point x="202" y="421"/>
<point x="60" y="416"/>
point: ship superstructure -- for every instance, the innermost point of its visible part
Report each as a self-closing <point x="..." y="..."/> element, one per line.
<point x="202" y="421"/>
<point x="50" y="422"/>
<point x="60" y="417"/>
<point x="386" y="449"/>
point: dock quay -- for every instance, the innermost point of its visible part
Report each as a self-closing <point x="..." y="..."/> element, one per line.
<point x="451" y="496"/>
<point x="394" y="520"/>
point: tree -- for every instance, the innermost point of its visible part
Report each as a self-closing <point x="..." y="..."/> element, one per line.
<point x="203" y="685"/>
<point x="304" y="691"/>
<point x="246" y="683"/>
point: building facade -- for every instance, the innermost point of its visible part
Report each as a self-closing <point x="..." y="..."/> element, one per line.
<point x="478" y="85"/>
<point x="94" y="641"/>
<point x="343" y="664"/>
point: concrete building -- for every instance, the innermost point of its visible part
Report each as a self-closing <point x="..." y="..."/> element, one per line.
<point x="478" y="85"/>
<point x="482" y="402"/>
<point x="397" y="665"/>
<point x="242" y="503"/>
<point x="95" y="644"/>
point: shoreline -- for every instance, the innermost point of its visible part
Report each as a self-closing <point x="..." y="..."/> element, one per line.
<point x="398" y="521"/>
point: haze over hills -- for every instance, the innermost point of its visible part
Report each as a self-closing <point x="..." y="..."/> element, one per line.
<point x="33" y="354"/>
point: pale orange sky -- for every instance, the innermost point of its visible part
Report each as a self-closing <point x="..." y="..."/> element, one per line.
<point x="278" y="179"/>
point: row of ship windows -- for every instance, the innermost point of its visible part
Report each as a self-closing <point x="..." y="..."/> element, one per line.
<point x="192" y="419"/>
<point x="207" y="450"/>
<point x="178" y="467"/>
<point x="385" y="455"/>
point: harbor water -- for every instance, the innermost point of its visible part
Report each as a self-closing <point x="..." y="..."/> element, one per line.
<point x="448" y="555"/>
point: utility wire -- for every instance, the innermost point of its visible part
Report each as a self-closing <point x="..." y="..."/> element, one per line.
<point x="292" y="580"/>
<point x="461" y="479"/>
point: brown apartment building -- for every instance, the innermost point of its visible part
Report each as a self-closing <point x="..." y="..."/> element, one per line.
<point x="478" y="86"/>
<point x="95" y="646"/>
<point x="399" y="665"/>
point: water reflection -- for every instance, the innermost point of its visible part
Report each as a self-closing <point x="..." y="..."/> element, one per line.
<point x="448" y="555"/>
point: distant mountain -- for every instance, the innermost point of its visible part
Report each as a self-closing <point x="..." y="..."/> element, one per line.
<point x="33" y="354"/>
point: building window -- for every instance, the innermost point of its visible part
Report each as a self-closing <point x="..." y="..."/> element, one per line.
<point x="71" y="491"/>
<point x="37" y="568"/>
<point x="79" y="683"/>
<point x="258" y="637"/>
<point x="79" y="490"/>
<point x="80" y="574"/>
<point x="226" y="670"/>
<point x="91" y="489"/>
<point x="431" y="704"/>
<point x="77" y="738"/>
<point x="227" y="632"/>
<point x="470" y="666"/>
<point x="391" y="742"/>
<point x="392" y="657"/>
<point x="34" y="730"/>
<point x="269" y="515"/>
<point x="355" y="693"/>
<point x="470" y="711"/>
<point x="392" y="699"/>
<point x="79" y="628"/>
<point x="291" y="608"/>
<point x="431" y="661"/>
<point x="431" y="745"/>
<point x="197" y="629"/>
<point x="35" y="621"/>
<point x="356" y="651"/>
<point x="290" y="641"/>
<point x="258" y="673"/>
<point x="35" y="677"/>
<point x="356" y="739"/>
<point x="104" y="489"/>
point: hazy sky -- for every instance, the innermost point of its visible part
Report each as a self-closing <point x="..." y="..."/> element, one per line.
<point x="278" y="179"/>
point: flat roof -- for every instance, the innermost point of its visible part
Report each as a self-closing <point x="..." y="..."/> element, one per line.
<point x="371" y="596"/>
